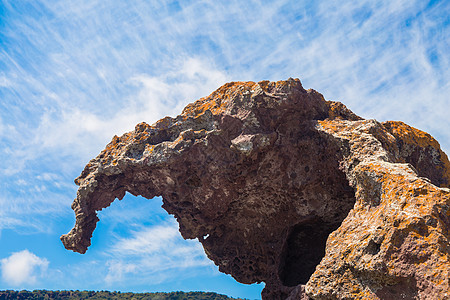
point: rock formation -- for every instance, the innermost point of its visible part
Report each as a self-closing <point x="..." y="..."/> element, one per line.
<point x="284" y="187"/>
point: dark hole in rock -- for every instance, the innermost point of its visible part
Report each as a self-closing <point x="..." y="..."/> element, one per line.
<point x="304" y="249"/>
<point x="373" y="248"/>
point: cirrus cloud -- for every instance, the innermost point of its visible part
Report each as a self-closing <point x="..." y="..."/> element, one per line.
<point x="156" y="253"/>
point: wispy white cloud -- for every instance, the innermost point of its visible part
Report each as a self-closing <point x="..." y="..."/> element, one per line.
<point x="149" y="240"/>
<point x="117" y="270"/>
<point x="23" y="268"/>
<point x="2" y="127"/>
<point x="6" y="221"/>
<point x="156" y="253"/>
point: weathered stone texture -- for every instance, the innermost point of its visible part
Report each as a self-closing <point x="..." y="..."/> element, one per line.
<point x="282" y="186"/>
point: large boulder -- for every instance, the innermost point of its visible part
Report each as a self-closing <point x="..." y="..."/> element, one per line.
<point x="283" y="187"/>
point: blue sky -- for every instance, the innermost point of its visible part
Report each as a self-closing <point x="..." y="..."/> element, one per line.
<point x="75" y="73"/>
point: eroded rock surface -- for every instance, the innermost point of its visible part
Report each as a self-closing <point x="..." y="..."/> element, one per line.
<point x="282" y="186"/>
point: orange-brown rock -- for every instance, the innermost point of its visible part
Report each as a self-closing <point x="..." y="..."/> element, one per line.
<point x="284" y="187"/>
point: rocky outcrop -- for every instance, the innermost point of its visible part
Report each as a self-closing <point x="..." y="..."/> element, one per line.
<point x="284" y="187"/>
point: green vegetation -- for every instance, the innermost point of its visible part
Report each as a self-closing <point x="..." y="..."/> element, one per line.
<point x="69" y="295"/>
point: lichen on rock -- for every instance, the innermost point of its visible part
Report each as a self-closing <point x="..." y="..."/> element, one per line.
<point x="283" y="187"/>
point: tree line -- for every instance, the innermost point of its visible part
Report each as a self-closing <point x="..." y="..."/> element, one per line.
<point x="92" y="295"/>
